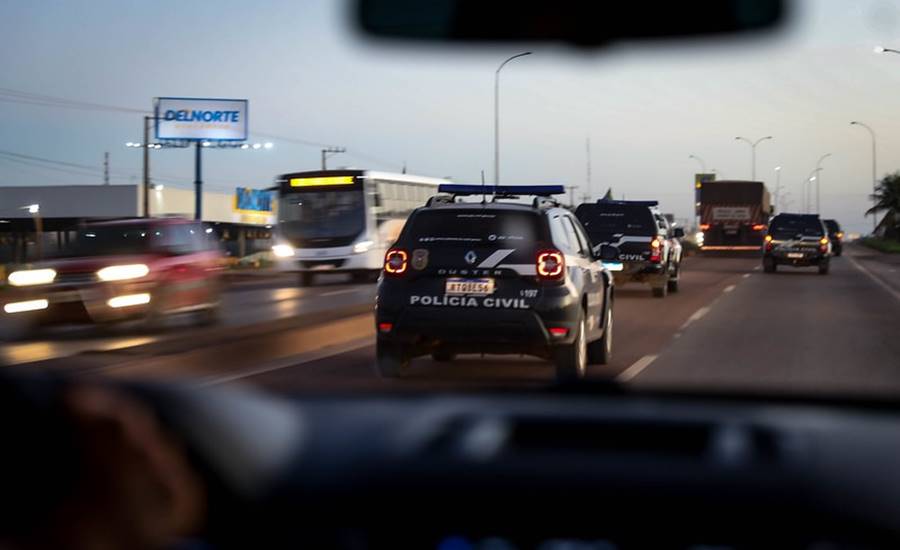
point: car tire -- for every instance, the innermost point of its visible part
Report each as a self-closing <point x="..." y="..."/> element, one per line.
<point x="600" y="351"/>
<point x="672" y="284"/>
<point x="305" y="279"/>
<point x="571" y="359"/>
<point x="443" y="356"/>
<point x="824" y="267"/>
<point x="209" y="316"/>
<point x="661" y="291"/>
<point x="390" y="361"/>
<point x="769" y="265"/>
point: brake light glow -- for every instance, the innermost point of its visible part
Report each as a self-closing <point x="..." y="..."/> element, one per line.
<point x="823" y="245"/>
<point x="385" y="327"/>
<point x="655" y="251"/>
<point x="704" y="226"/>
<point x="551" y="264"/>
<point x="558" y="332"/>
<point x="759" y="227"/>
<point x="395" y="261"/>
<point x="839" y="235"/>
<point x="769" y="244"/>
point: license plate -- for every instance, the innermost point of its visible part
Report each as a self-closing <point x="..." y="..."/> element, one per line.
<point x="795" y="255"/>
<point x="480" y="287"/>
<point x="614" y="266"/>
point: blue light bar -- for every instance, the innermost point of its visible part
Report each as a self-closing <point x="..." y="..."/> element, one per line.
<point x="489" y="189"/>
<point x="628" y="203"/>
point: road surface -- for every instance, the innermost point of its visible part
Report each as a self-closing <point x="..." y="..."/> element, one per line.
<point x="731" y="326"/>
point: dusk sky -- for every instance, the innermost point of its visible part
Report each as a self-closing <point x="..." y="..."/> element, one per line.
<point x="308" y="76"/>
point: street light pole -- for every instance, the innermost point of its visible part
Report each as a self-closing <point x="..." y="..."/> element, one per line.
<point x="753" y="145"/>
<point x="819" y="182"/>
<point x="777" y="186"/>
<point x="874" y="169"/>
<point x="497" y="115"/>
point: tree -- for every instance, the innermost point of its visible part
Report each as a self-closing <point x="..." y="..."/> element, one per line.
<point x="887" y="198"/>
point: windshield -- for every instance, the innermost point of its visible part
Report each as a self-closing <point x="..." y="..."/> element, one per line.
<point x="603" y="222"/>
<point x="784" y="227"/>
<point x="116" y="241"/>
<point x="306" y="153"/>
<point x="322" y="214"/>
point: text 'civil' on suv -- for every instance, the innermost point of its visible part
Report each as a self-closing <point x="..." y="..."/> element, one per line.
<point x="648" y="247"/>
<point x="487" y="274"/>
<point x="797" y="240"/>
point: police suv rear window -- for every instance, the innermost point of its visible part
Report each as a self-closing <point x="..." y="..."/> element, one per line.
<point x="474" y="227"/>
<point x="603" y="221"/>
<point x="787" y="227"/>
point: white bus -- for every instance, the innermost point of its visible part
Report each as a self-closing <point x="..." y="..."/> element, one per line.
<point x="343" y="221"/>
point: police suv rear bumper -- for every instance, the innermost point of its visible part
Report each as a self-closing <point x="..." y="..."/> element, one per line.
<point x="640" y="272"/>
<point x="477" y="330"/>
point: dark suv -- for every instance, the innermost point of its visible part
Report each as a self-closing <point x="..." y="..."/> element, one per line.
<point x="798" y="240"/>
<point x="836" y="236"/>
<point x="648" y="247"/>
<point x="494" y="277"/>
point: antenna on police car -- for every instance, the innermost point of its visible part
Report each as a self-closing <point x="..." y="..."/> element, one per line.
<point x="483" y="194"/>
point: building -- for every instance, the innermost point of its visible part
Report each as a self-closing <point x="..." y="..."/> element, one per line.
<point x="40" y="220"/>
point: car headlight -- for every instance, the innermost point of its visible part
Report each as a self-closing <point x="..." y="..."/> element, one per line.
<point x="30" y="277"/>
<point x="123" y="272"/>
<point x="283" y="250"/>
<point x="362" y="246"/>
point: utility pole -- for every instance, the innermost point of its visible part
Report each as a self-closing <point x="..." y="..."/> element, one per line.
<point x="586" y="196"/>
<point x="572" y="189"/>
<point x="198" y="182"/>
<point x="146" y="184"/>
<point x="106" y="168"/>
<point x="328" y="151"/>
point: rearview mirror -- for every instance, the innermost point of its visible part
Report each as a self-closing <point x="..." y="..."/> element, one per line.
<point x="608" y="253"/>
<point x="582" y="22"/>
<point x="678" y="233"/>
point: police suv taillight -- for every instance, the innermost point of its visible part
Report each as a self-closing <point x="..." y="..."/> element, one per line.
<point x="551" y="265"/>
<point x="823" y="245"/>
<point x="655" y="251"/>
<point x="396" y="262"/>
<point x="769" y="244"/>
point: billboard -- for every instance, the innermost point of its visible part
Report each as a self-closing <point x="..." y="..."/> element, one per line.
<point x="252" y="200"/>
<point x="188" y="118"/>
<point x="253" y="206"/>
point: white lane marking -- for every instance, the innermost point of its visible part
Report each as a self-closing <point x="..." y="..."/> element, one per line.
<point x="746" y="275"/>
<point x="695" y="317"/>
<point x="336" y="292"/>
<point x="728" y="288"/>
<point x="757" y="268"/>
<point x="290" y="361"/>
<point x="636" y="368"/>
<point x="874" y="278"/>
<point x="495" y="258"/>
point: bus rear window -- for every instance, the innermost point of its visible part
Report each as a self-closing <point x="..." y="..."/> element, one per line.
<point x="474" y="227"/>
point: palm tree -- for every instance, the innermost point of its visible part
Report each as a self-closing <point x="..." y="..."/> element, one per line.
<point x="887" y="199"/>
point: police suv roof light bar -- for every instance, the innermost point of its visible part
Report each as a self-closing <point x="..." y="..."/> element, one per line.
<point x="461" y="189"/>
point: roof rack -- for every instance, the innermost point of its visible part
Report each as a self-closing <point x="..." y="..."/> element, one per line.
<point x="502" y="191"/>
<point x="628" y="203"/>
<point x="437" y="200"/>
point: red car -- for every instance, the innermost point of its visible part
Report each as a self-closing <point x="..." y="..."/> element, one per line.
<point x="122" y="270"/>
